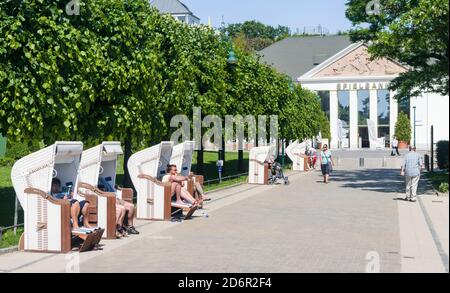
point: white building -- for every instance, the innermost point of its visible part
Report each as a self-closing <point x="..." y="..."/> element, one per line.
<point x="177" y="9"/>
<point x="354" y="89"/>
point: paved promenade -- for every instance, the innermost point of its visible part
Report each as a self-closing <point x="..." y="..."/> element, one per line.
<point x="354" y="224"/>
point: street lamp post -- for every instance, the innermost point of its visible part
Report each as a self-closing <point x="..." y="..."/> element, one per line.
<point x="415" y="125"/>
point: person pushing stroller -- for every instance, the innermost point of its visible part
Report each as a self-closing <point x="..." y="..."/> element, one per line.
<point x="276" y="172"/>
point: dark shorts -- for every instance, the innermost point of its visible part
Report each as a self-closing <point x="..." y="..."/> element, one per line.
<point x="82" y="204"/>
<point x="326" y="170"/>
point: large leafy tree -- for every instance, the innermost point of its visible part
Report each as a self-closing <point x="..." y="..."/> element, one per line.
<point x="120" y="71"/>
<point x="46" y="81"/>
<point x="413" y="32"/>
<point x="255" y="34"/>
<point x="127" y="101"/>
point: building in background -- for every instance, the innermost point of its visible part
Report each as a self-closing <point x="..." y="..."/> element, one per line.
<point x="354" y="89"/>
<point x="177" y="9"/>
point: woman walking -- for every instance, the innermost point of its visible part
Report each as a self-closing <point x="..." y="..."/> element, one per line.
<point x="326" y="163"/>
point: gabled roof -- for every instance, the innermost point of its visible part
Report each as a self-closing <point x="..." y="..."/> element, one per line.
<point x="297" y="55"/>
<point x="171" y="6"/>
<point x="354" y="61"/>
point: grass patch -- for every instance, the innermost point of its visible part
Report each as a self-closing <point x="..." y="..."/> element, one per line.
<point x="7" y="198"/>
<point x="437" y="178"/>
<point x="230" y="167"/>
<point x="9" y="239"/>
<point x="216" y="185"/>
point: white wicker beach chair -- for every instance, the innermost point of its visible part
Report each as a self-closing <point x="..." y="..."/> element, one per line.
<point x="96" y="162"/>
<point x="146" y="169"/>
<point x="375" y="141"/>
<point x="258" y="168"/>
<point x="47" y="220"/>
<point x="296" y="152"/>
<point x="182" y="157"/>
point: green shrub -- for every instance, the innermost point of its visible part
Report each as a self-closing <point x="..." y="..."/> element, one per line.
<point x="442" y="154"/>
<point x="443" y="187"/>
<point x="17" y="150"/>
<point x="403" y="128"/>
<point x="4" y="162"/>
<point x="9" y="239"/>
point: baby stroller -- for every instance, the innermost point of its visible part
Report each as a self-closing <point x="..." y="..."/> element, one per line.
<point x="276" y="174"/>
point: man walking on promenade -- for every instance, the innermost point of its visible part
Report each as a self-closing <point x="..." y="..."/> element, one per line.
<point x="411" y="168"/>
<point x="395" y="147"/>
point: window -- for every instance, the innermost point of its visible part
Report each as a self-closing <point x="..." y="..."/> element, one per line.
<point x="363" y="115"/>
<point x="363" y="107"/>
<point x="384" y="114"/>
<point x="344" y="118"/>
<point x="383" y="108"/>
<point x="404" y="105"/>
<point x="325" y="101"/>
<point x="181" y="18"/>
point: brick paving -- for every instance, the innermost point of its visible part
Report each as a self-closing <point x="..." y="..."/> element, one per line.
<point x="304" y="227"/>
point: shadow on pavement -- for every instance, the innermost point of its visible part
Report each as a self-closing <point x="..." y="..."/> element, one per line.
<point x="378" y="180"/>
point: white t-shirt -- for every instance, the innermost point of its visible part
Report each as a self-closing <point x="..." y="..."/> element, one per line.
<point x="312" y="152"/>
<point x="394" y="143"/>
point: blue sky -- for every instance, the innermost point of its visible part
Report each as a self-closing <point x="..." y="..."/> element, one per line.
<point x="292" y="13"/>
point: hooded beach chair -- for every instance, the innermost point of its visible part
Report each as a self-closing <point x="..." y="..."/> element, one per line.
<point x="182" y="155"/>
<point x="100" y="164"/>
<point x="47" y="220"/>
<point x="258" y="164"/>
<point x="146" y="170"/>
<point x="296" y="153"/>
<point x="375" y="141"/>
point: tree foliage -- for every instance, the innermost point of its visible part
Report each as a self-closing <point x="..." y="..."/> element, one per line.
<point x="254" y="35"/>
<point x="413" y="32"/>
<point x="120" y="71"/>
<point x="403" y="128"/>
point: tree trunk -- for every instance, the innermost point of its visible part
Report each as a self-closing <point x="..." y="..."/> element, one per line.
<point x="241" y="160"/>
<point x="200" y="161"/>
<point x="127" y="154"/>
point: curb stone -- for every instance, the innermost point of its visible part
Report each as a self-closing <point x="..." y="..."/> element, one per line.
<point x="9" y="249"/>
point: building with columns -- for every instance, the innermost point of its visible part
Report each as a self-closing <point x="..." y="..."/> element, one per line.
<point x="354" y="91"/>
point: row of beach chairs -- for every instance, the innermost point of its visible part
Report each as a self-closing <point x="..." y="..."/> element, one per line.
<point x="47" y="221"/>
<point x="47" y="226"/>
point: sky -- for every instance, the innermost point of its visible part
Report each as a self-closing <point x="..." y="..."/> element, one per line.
<point x="292" y="13"/>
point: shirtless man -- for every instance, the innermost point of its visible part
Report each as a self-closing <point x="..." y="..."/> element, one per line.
<point x="177" y="186"/>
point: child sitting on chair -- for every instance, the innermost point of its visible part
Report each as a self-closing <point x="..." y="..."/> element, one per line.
<point x="177" y="187"/>
<point x="77" y="209"/>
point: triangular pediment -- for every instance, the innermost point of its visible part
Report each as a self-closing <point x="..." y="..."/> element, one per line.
<point x="357" y="62"/>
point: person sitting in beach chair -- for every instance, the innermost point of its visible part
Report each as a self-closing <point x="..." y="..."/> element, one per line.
<point x="182" y="196"/>
<point x="124" y="210"/>
<point x="78" y="209"/>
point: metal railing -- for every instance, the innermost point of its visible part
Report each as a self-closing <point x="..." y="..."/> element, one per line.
<point x="2" y="229"/>
<point x="208" y="183"/>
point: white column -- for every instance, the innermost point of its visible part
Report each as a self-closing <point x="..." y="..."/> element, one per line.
<point x="374" y="111"/>
<point x="353" y="119"/>
<point x="393" y="113"/>
<point x="334" y="119"/>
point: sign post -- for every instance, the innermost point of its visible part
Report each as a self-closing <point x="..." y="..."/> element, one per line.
<point x="220" y="169"/>
<point x="2" y="146"/>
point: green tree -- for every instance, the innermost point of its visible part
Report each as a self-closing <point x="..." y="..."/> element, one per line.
<point x="413" y="32"/>
<point x="403" y="128"/>
<point x="46" y="79"/>
<point x="255" y="35"/>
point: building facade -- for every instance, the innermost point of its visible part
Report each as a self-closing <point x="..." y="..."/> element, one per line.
<point x="177" y="9"/>
<point x="354" y="91"/>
